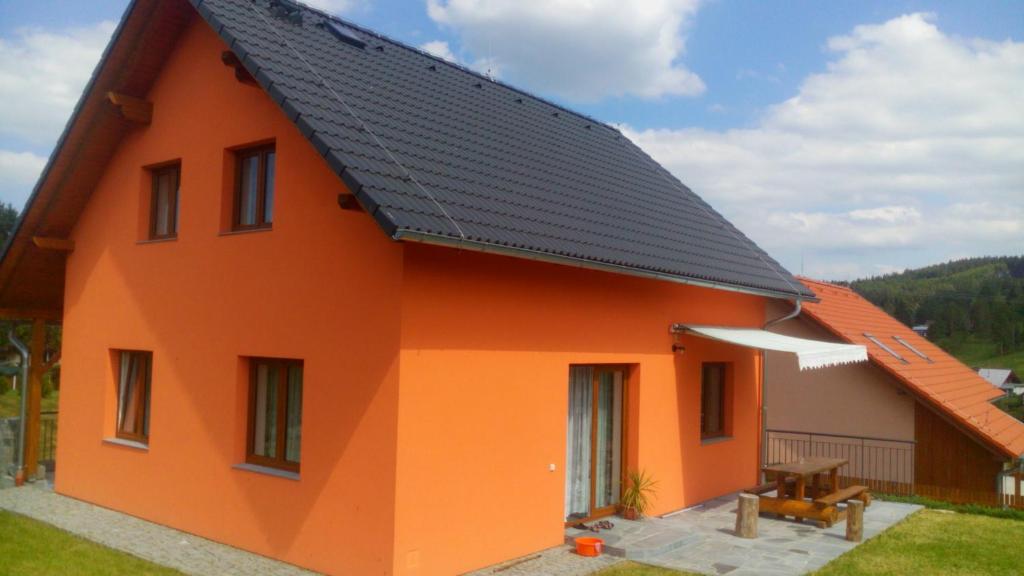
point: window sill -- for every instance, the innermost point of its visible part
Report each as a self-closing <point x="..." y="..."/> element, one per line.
<point x="135" y="445"/>
<point x="715" y="440"/>
<point x="245" y="231"/>
<point x="157" y="240"/>
<point x="267" y="470"/>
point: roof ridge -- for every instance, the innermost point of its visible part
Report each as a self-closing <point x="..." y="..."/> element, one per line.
<point x="803" y="278"/>
<point x="455" y="65"/>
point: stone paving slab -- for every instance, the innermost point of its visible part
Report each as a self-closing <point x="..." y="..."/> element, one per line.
<point x="637" y="540"/>
<point x="560" y="561"/>
<point x="782" y="548"/>
<point x="160" y="544"/>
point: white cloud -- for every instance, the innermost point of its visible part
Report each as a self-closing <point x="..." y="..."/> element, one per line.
<point x="334" y="6"/>
<point x="582" y="50"/>
<point x="18" y="174"/>
<point x="440" y="49"/>
<point x="909" y="140"/>
<point x="42" y="75"/>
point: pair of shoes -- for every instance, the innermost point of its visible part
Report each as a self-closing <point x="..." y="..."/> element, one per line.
<point x="605" y="525"/>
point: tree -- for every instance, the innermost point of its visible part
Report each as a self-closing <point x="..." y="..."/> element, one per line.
<point x="8" y="217"/>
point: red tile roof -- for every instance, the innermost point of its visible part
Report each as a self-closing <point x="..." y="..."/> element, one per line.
<point x="943" y="382"/>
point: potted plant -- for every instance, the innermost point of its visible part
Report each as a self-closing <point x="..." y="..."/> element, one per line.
<point x="636" y="499"/>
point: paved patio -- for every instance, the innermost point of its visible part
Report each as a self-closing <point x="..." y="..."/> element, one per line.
<point x="701" y="540"/>
<point x="160" y="544"/>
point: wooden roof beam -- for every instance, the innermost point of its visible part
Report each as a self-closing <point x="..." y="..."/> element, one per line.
<point x="31" y="314"/>
<point x="132" y="109"/>
<point x="241" y="74"/>
<point x="50" y="243"/>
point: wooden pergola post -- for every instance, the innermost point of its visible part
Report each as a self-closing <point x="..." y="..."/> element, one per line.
<point x="34" y="389"/>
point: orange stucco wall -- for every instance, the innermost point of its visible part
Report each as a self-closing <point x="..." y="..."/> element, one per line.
<point x="322" y="286"/>
<point x="435" y="394"/>
<point x="487" y="342"/>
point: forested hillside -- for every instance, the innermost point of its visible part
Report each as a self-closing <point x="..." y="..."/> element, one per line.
<point x="974" y="307"/>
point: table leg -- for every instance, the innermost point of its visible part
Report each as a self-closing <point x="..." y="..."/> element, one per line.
<point x="780" y="483"/>
<point x="799" y="492"/>
<point x="833" y="476"/>
<point x="816" y="489"/>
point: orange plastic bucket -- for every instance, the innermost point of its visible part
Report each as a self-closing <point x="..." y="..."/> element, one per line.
<point x="586" y="546"/>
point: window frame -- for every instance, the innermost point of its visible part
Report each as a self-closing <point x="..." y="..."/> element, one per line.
<point x="723" y="405"/>
<point x="142" y="398"/>
<point x="261" y="151"/>
<point x="279" y="461"/>
<point x="154" y="173"/>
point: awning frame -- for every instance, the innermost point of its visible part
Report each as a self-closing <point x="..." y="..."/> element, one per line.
<point x="811" y="354"/>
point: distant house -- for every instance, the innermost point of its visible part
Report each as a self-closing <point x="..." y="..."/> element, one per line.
<point x="921" y="330"/>
<point x="913" y="419"/>
<point x="1004" y="379"/>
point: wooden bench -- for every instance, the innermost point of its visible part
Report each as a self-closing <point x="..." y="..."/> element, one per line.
<point x="849" y="493"/>
<point x="768" y="487"/>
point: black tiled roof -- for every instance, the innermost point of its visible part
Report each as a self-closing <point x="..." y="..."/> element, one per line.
<point x="439" y="153"/>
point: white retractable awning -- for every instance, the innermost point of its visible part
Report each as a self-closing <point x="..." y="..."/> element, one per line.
<point x="810" y="354"/>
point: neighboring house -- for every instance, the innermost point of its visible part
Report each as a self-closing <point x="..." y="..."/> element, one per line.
<point x="921" y="330"/>
<point x="336" y="301"/>
<point x="1004" y="379"/>
<point x="913" y="419"/>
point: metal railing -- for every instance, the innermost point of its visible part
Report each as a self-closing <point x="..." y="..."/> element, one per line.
<point x="48" y="438"/>
<point x="882" y="464"/>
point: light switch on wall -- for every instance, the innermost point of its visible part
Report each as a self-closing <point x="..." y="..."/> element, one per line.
<point x="551" y="467"/>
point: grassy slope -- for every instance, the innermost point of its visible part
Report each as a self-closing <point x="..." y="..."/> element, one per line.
<point x="935" y="542"/>
<point x="31" y="547"/>
<point x="982" y="354"/>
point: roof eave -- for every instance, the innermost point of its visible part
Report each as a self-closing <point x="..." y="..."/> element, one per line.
<point x="530" y="254"/>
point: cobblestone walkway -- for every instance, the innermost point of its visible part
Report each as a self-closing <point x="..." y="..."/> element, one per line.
<point x="166" y="546"/>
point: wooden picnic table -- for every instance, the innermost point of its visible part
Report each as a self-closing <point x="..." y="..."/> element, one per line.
<point x="822" y="505"/>
<point x="803" y="468"/>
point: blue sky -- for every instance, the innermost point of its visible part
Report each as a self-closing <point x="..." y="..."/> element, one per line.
<point x="798" y="120"/>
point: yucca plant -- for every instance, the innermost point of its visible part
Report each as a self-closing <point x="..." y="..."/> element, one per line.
<point x="636" y="499"/>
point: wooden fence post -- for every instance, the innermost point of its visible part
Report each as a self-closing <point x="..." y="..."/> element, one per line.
<point x="854" y="520"/>
<point x="746" y="516"/>
<point x="34" y="389"/>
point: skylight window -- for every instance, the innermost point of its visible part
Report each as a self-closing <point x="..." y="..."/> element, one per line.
<point x="912" y="349"/>
<point x="345" y="34"/>
<point x="886" y="348"/>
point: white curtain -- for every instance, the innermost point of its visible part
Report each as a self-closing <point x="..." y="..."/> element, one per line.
<point x="577" y="466"/>
<point x="124" y="382"/>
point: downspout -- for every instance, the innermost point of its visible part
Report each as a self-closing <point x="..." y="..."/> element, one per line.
<point x="798" y="305"/>
<point x="19" y="474"/>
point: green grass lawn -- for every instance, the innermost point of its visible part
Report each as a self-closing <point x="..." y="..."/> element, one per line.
<point x="936" y="542"/>
<point x="10" y="403"/>
<point x="929" y="542"/>
<point x="28" y="547"/>
<point x="978" y="353"/>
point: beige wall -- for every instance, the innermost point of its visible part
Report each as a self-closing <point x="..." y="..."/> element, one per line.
<point x="855" y="399"/>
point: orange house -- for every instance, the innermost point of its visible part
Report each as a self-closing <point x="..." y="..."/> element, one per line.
<point x="330" y="299"/>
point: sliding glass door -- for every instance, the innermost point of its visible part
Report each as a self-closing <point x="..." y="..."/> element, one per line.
<point x="594" y="454"/>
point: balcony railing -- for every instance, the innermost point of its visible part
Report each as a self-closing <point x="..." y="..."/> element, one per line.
<point x="882" y="464"/>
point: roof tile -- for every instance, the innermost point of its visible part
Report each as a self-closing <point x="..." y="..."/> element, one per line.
<point x="499" y="165"/>
<point x="947" y="383"/>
